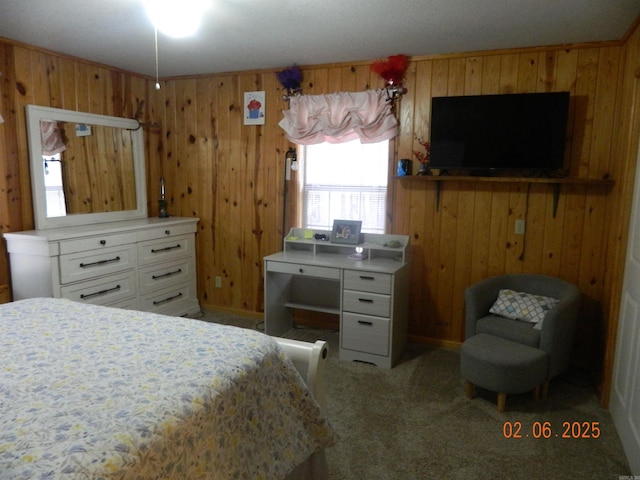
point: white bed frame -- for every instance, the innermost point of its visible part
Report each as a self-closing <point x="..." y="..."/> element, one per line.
<point x="309" y="359"/>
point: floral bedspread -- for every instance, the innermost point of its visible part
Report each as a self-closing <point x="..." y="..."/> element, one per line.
<point x="92" y="392"/>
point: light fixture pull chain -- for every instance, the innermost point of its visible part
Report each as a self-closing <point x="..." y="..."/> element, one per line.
<point x="156" y="39"/>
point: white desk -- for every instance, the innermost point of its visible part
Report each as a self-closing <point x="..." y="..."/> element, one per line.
<point x="371" y="296"/>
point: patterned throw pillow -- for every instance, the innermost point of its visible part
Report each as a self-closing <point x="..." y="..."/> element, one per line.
<point x="522" y="306"/>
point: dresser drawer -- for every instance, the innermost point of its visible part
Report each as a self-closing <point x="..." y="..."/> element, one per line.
<point x="154" y="251"/>
<point x="97" y="242"/>
<point x="169" y="301"/>
<point x="95" y="263"/>
<point x="304" y="270"/>
<point x="128" y="304"/>
<point x="107" y="290"/>
<point x="166" y="274"/>
<point x="367" y="303"/>
<point x="367" y="281"/>
<point x="166" y="231"/>
<point x="365" y="334"/>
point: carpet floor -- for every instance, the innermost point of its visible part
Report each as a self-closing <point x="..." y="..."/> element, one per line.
<point x="415" y="422"/>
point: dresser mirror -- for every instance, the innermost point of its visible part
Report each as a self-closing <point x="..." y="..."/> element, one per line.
<point x="85" y="168"/>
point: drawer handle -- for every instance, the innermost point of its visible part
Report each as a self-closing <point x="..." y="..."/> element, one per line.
<point x="168" y="299"/>
<point x="168" y="274"/>
<point x="365" y="300"/>
<point x="167" y="232"/>
<point x="156" y="250"/>
<point x="103" y="242"/>
<point x="101" y="292"/>
<point x="301" y="270"/>
<point x="99" y="262"/>
<point x="368" y="324"/>
<point x="365" y="277"/>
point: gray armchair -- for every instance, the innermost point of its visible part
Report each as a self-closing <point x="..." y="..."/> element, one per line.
<point x="543" y="352"/>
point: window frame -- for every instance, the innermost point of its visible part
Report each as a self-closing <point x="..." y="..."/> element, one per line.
<point x="302" y="199"/>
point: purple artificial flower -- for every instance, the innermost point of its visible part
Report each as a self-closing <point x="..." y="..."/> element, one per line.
<point x="290" y="78"/>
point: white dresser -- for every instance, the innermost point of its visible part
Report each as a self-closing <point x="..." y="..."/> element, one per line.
<point x="371" y="296"/>
<point x="143" y="264"/>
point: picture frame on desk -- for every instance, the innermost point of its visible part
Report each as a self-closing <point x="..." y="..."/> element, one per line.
<point x="346" y="232"/>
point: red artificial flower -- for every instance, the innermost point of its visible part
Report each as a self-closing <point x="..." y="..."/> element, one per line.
<point x="423" y="157"/>
<point x="392" y="69"/>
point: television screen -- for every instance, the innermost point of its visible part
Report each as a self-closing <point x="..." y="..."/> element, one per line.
<point x="524" y="131"/>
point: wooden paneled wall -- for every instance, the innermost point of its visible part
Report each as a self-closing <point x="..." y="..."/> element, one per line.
<point x="471" y="236"/>
<point x="10" y="201"/>
<point x="231" y="176"/>
<point x="33" y="76"/>
<point x="625" y="155"/>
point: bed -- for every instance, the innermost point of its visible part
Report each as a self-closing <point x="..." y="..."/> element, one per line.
<point x="90" y="392"/>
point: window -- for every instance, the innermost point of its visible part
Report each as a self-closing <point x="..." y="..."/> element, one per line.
<point x="345" y="181"/>
<point x="53" y="186"/>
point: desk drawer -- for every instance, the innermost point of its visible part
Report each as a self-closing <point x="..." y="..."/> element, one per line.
<point x="104" y="291"/>
<point x="365" y="334"/>
<point x="367" y="303"/>
<point x="367" y="281"/>
<point x="304" y="270"/>
<point x="97" y="242"/>
<point x="94" y="263"/>
<point x="154" y="251"/>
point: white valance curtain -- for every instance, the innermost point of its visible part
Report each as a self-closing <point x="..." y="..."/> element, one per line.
<point x="52" y="141"/>
<point x="340" y="117"/>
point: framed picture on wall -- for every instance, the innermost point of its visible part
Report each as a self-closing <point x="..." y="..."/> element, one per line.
<point x="346" y="231"/>
<point x="254" y="108"/>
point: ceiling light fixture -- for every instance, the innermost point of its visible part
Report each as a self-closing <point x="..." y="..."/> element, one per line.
<point x="176" y="18"/>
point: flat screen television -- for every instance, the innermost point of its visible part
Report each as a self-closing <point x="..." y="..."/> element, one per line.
<point x="485" y="133"/>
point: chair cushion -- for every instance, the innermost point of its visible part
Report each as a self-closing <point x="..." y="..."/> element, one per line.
<point x="514" y="330"/>
<point x="522" y="306"/>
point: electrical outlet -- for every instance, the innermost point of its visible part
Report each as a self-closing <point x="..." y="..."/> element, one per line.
<point x="218" y="282"/>
<point x="519" y="226"/>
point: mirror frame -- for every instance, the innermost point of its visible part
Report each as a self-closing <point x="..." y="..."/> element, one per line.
<point x="35" y="114"/>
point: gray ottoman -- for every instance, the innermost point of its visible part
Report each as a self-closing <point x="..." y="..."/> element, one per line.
<point x="502" y="366"/>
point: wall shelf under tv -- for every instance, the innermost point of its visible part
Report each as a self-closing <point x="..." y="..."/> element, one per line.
<point x="554" y="183"/>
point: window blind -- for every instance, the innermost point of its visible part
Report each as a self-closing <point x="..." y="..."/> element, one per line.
<point x="346" y="181"/>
